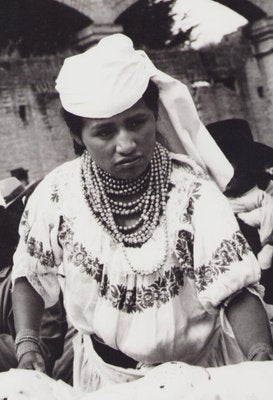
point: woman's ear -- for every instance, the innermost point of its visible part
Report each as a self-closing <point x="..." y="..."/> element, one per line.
<point x="77" y="139"/>
<point x="78" y="148"/>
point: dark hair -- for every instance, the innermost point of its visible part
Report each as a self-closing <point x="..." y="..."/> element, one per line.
<point x="76" y="123"/>
<point x="151" y="97"/>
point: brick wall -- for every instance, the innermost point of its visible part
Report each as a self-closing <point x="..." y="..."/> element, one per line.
<point x="34" y="136"/>
<point x="32" y="133"/>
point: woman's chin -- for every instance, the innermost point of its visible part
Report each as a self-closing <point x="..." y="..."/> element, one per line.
<point x="128" y="172"/>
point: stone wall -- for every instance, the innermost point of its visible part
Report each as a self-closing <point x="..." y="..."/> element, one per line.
<point x="264" y="5"/>
<point x="32" y="133"/>
<point x="100" y="11"/>
<point x="34" y="136"/>
<point x="103" y="11"/>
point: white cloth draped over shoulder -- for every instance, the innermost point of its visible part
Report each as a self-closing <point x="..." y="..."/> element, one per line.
<point x="112" y="76"/>
<point x="208" y="261"/>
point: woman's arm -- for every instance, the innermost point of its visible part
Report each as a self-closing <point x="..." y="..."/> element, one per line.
<point x="28" y="307"/>
<point x="250" y="325"/>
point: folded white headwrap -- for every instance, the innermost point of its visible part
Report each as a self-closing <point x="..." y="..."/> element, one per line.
<point x="112" y="76"/>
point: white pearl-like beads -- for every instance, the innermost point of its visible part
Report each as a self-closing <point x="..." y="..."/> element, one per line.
<point x="99" y="190"/>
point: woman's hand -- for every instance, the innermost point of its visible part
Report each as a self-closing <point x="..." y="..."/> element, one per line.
<point x="250" y="325"/>
<point x="32" y="360"/>
<point x="263" y="356"/>
<point x="260" y="352"/>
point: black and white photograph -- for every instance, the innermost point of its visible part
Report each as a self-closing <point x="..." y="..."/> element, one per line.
<point x="136" y="199"/>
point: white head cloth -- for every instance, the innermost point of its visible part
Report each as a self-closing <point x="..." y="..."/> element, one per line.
<point x="112" y="76"/>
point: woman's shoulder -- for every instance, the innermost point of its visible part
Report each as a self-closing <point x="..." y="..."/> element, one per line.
<point x="183" y="164"/>
<point x="63" y="173"/>
<point x="63" y="176"/>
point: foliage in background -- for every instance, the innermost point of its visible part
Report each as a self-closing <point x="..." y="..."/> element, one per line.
<point x="149" y="23"/>
<point x="37" y="27"/>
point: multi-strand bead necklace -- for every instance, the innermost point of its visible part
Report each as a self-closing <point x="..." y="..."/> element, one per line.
<point x="107" y="197"/>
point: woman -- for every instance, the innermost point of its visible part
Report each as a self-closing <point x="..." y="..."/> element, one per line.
<point x="152" y="264"/>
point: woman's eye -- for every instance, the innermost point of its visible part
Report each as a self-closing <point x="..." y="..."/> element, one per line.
<point x="135" y="124"/>
<point x="106" y="132"/>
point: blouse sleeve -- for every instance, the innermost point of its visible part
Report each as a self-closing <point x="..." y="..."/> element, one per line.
<point x="38" y="254"/>
<point x="223" y="260"/>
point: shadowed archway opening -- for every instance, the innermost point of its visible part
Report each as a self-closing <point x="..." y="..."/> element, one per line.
<point x="37" y="27"/>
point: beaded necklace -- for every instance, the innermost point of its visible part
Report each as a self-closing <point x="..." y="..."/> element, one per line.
<point x="100" y="188"/>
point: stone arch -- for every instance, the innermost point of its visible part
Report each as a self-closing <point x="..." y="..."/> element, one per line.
<point x="252" y="10"/>
<point x="100" y="11"/>
<point x="107" y="11"/>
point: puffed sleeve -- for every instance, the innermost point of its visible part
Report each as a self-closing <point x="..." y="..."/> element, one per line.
<point x="38" y="254"/>
<point x="223" y="261"/>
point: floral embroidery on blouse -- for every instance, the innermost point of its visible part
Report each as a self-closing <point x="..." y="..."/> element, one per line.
<point x="54" y="196"/>
<point x="195" y="195"/>
<point x="34" y="247"/>
<point x="228" y="252"/>
<point x="184" y="251"/>
<point x="196" y="171"/>
<point x="127" y="300"/>
<point x="24" y="221"/>
<point x="140" y="298"/>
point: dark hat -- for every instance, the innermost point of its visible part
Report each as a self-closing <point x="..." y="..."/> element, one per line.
<point x="235" y="139"/>
<point x="19" y="173"/>
<point x="263" y="154"/>
<point x="233" y="127"/>
<point x="233" y="136"/>
<point x="249" y="158"/>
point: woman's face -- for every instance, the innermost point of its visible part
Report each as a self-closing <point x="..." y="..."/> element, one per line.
<point x="122" y="145"/>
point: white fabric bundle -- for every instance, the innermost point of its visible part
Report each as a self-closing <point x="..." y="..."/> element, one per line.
<point x="112" y="76"/>
<point x="179" y="381"/>
<point x="255" y="208"/>
<point x="169" y="381"/>
<point x="21" y="384"/>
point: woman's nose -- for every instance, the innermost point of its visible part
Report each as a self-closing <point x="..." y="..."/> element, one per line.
<point x="125" y="142"/>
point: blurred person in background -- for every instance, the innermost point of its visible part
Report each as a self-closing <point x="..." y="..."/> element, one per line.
<point x="21" y="174"/>
<point x="250" y="190"/>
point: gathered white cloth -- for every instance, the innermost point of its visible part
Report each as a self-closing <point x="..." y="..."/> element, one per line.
<point x="171" y="314"/>
<point x="255" y="208"/>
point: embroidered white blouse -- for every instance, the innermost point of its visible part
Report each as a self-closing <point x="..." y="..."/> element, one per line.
<point x="170" y="314"/>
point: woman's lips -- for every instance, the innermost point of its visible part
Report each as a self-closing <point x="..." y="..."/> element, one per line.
<point x="128" y="161"/>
